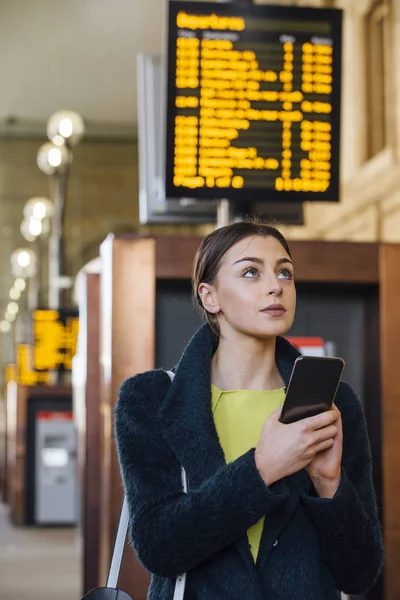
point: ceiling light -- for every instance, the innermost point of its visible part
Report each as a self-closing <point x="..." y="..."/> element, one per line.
<point x="66" y="124"/>
<point x="23" y="263"/>
<point x="51" y="158"/>
<point x="35" y="226"/>
<point x="15" y="294"/>
<point x="20" y="284"/>
<point x="23" y="258"/>
<point x="25" y="231"/>
<point x="5" y="326"/>
<point x="12" y="308"/>
<point x="38" y="207"/>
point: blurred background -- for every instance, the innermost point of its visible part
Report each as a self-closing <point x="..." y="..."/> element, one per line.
<point x="102" y="207"/>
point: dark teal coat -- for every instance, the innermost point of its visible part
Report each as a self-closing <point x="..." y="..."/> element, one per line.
<point x="310" y="547"/>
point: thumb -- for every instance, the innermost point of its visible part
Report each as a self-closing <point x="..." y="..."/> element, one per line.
<point x="276" y="414"/>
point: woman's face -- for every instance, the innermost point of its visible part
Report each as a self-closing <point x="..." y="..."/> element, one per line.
<point x="254" y="291"/>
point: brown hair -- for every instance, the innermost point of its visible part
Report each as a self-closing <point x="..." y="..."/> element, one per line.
<point x="212" y="250"/>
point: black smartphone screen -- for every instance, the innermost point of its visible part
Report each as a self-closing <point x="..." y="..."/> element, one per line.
<point x="312" y="387"/>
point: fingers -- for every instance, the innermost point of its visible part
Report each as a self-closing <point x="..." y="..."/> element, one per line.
<point x="325" y="445"/>
<point x="275" y="416"/>
<point x="322" y="420"/>
<point x="326" y="433"/>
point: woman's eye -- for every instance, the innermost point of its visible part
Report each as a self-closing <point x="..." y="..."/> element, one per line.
<point x="285" y="274"/>
<point x="250" y="273"/>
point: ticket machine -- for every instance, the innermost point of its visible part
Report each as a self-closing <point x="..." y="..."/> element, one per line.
<point x="55" y="468"/>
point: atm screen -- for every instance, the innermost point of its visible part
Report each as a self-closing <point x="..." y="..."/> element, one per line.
<point x="54" y="457"/>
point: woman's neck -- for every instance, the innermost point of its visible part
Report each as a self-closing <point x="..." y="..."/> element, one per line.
<point x="242" y="362"/>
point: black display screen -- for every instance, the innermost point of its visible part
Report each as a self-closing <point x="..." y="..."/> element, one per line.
<point x="253" y="102"/>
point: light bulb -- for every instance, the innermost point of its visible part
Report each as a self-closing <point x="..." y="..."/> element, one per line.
<point x="15" y="294"/>
<point x="23" y="263"/>
<point x="51" y="158"/>
<point x="65" y="124"/>
<point x="35" y="227"/>
<point x="39" y="210"/>
<point x="23" y="258"/>
<point x="26" y="232"/>
<point x="54" y="157"/>
<point x="20" y="284"/>
<point x="58" y="140"/>
<point x="12" y="308"/>
<point x="5" y="326"/>
<point x="38" y="207"/>
<point x="65" y="128"/>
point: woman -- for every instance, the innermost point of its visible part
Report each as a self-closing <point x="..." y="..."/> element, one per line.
<point x="274" y="511"/>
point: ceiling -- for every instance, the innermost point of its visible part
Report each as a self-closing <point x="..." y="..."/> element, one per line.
<point x="78" y="55"/>
<point x="74" y="54"/>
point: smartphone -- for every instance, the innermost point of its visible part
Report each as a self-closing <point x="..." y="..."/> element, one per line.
<point x="312" y="387"/>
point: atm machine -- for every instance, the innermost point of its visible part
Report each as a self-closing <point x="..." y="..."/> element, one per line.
<point x="50" y="494"/>
<point x="55" y="468"/>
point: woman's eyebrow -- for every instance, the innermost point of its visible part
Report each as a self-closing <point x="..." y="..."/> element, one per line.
<point x="260" y="261"/>
<point x="250" y="259"/>
<point x="282" y="261"/>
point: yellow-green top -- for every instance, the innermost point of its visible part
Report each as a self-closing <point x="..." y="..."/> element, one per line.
<point x="239" y="416"/>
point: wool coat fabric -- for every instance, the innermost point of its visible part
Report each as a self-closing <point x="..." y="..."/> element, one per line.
<point x="310" y="547"/>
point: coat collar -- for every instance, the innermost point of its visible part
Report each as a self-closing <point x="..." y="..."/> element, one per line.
<point x="186" y="413"/>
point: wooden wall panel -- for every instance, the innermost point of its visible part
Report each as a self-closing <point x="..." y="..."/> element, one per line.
<point x="340" y="262"/>
<point x="336" y="262"/>
<point x="92" y="450"/>
<point x="174" y="256"/>
<point x="389" y="339"/>
<point x="16" y="444"/>
<point x="3" y="451"/>
<point x="373" y="401"/>
<point x="86" y="398"/>
<point x="128" y="286"/>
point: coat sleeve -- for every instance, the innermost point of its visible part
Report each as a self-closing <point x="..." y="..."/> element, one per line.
<point x="348" y="524"/>
<point x="171" y="531"/>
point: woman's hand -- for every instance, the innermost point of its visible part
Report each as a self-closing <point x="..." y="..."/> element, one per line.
<point x="286" y="449"/>
<point x="325" y="468"/>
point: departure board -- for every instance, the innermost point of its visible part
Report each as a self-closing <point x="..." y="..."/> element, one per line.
<point x="253" y="102"/>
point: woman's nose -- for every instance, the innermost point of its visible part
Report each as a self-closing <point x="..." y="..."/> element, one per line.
<point x="274" y="287"/>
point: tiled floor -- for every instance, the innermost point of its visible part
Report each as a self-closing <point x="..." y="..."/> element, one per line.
<point x="38" y="563"/>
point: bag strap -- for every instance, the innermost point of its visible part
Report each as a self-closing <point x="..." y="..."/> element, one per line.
<point x="180" y="583"/>
<point x="115" y="566"/>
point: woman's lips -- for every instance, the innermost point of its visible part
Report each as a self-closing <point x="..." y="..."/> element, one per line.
<point x="275" y="310"/>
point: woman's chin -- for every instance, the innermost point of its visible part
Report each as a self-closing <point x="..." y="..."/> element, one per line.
<point x="261" y="329"/>
<point x="275" y="329"/>
<point x="272" y="331"/>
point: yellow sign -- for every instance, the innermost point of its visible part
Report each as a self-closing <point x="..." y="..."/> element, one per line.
<point x="252" y="99"/>
<point x="55" y="338"/>
<point x="24" y="373"/>
<point x="11" y="373"/>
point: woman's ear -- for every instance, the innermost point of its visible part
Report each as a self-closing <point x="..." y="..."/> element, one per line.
<point x="208" y="298"/>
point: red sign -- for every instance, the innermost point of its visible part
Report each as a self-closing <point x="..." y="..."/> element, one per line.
<point x="301" y="342"/>
<point x="55" y="415"/>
